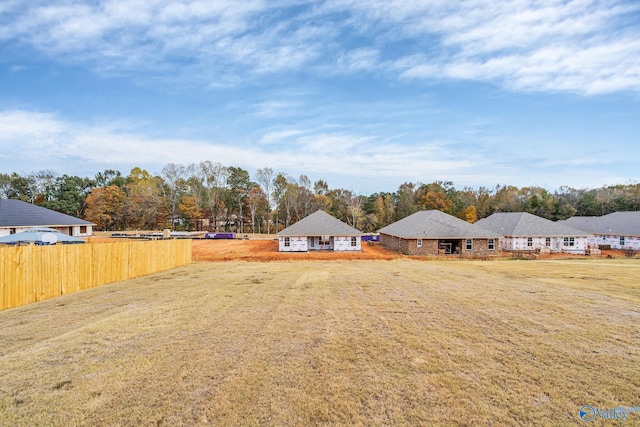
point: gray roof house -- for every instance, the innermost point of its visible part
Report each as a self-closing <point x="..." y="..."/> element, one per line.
<point x="319" y="231"/>
<point x="617" y="230"/>
<point x="433" y="232"/>
<point x="523" y="231"/>
<point x="17" y="216"/>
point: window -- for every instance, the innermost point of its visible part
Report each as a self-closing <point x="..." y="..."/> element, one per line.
<point x="569" y="241"/>
<point x="547" y="242"/>
<point x="529" y="241"/>
<point x="621" y="240"/>
<point x="469" y="244"/>
<point x="491" y="244"/>
<point x="287" y="242"/>
<point x="12" y="231"/>
<point x="354" y="241"/>
<point x="419" y="243"/>
<point x="323" y="241"/>
<point x="83" y="229"/>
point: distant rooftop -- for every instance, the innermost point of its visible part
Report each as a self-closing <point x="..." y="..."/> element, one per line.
<point x="616" y="223"/>
<point x="16" y="213"/>
<point x="521" y="224"/>
<point x="434" y="224"/>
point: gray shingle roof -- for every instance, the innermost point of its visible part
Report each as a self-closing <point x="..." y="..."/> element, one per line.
<point x="616" y="223"/>
<point x="435" y="225"/>
<point x="523" y="224"/>
<point x="320" y="223"/>
<point x="16" y="213"/>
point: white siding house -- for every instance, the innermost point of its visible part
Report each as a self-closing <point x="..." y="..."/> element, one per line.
<point x="319" y="232"/>
<point x="617" y="230"/>
<point x="17" y="216"/>
<point x="523" y="231"/>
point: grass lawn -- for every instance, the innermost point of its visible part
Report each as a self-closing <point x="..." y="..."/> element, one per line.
<point x="401" y="342"/>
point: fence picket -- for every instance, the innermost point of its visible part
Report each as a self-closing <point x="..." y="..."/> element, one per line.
<point x="35" y="273"/>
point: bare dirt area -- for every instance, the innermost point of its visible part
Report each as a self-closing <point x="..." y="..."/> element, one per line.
<point x="267" y="250"/>
<point x="357" y="342"/>
<point x="262" y="249"/>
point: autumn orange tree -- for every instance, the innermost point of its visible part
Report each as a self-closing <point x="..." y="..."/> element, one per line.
<point x="469" y="214"/>
<point x="106" y="207"/>
<point x="143" y="203"/>
<point x="435" y="200"/>
<point x="190" y="211"/>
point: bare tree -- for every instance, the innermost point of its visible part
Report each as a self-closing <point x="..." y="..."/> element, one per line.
<point x="40" y="184"/>
<point x="305" y="196"/>
<point x="256" y="200"/>
<point x="280" y="183"/>
<point x="265" y="178"/>
<point x="174" y="178"/>
<point x="354" y="206"/>
<point x="215" y="180"/>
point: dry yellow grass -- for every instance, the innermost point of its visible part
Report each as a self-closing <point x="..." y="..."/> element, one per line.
<point x="398" y="342"/>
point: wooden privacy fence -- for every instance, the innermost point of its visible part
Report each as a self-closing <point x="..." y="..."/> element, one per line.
<point x="35" y="273"/>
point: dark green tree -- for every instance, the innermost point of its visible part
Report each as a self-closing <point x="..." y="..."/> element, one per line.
<point x="69" y="194"/>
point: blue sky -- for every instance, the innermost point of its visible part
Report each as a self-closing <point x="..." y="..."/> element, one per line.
<point x="363" y="94"/>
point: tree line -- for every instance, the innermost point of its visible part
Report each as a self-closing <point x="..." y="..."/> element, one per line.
<point x="209" y="196"/>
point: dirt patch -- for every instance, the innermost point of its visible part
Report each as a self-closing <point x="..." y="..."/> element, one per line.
<point x="262" y="249"/>
<point x="267" y="250"/>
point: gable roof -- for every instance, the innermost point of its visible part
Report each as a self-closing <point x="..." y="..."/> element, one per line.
<point x="319" y="223"/>
<point x="16" y="213"/>
<point x="434" y="224"/>
<point x="616" y="223"/>
<point x="524" y="224"/>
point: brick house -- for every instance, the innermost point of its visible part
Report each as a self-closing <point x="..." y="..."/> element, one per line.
<point x="437" y="233"/>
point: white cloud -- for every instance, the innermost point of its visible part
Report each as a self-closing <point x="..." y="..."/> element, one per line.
<point x="577" y="46"/>
<point x="359" y="60"/>
<point x="40" y="140"/>
<point x="280" y="136"/>
<point x="275" y="108"/>
<point x="366" y="162"/>
<point x="26" y="125"/>
<point x="586" y="46"/>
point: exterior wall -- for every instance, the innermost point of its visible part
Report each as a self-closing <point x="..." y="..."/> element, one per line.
<point x="556" y="244"/>
<point x="313" y="243"/>
<point x="343" y="243"/>
<point x="630" y="242"/>
<point x="82" y="230"/>
<point x="481" y="248"/>
<point x="430" y="246"/>
<point x="296" y="244"/>
<point x="71" y="230"/>
<point x="391" y="242"/>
